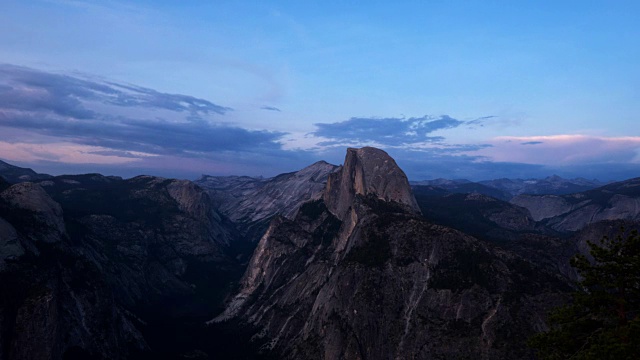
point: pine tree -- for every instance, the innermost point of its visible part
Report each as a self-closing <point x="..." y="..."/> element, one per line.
<point x="603" y="320"/>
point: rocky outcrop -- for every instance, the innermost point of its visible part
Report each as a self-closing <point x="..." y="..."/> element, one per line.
<point x="359" y="274"/>
<point x="368" y="171"/>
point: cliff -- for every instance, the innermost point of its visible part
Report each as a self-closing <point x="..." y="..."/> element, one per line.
<point x="368" y="171"/>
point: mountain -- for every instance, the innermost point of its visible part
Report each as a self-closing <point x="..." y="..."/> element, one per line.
<point x="352" y="262"/>
<point x="54" y="302"/>
<point x="476" y="214"/>
<point x="360" y="274"/>
<point x="252" y="202"/>
<point x="16" y="174"/>
<point x="500" y="223"/>
<point x="441" y="182"/>
<point x="567" y="213"/>
<point x="553" y="185"/>
<point x="100" y="267"/>
<point x="458" y="187"/>
<point x="161" y="237"/>
<point x="505" y="189"/>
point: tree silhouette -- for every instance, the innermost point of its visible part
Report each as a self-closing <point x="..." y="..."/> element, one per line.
<point x="603" y="321"/>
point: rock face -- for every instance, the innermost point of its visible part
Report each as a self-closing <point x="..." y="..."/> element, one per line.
<point x="248" y="199"/>
<point x="368" y="171"/>
<point x="573" y="212"/>
<point x="251" y="202"/>
<point x="359" y="274"/>
<point x="544" y="206"/>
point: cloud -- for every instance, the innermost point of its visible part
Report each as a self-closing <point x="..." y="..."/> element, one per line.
<point x="419" y="166"/>
<point x="570" y="156"/>
<point x="532" y="143"/>
<point x="28" y="89"/>
<point x="118" y="121"/>
<point x="66" y="153"/>
<point x="60" y="123"/>
<point x="480" y="121"/>
<point x="389" y="131"/>
<point x="270" y="108"/>
<point x="568" y="149"/>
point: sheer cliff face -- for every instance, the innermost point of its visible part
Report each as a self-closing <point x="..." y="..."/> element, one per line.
<point x="367" y="171"/>
<point x="359" y="274"/>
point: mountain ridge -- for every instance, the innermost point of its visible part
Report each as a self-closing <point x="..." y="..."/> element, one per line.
<point x="15" y="174"/>
<point x="619" y="200"/>
<point x="371" y="279"/>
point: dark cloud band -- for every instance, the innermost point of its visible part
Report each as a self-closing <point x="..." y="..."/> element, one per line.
<point x="389" y="131"/>
<point x="82" y="110"/>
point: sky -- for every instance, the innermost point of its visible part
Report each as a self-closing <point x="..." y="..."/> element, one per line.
<point x="452" y="89"/>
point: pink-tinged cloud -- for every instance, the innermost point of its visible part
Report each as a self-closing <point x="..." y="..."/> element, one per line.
<point x="68" y="153"/>
<point x="563" y="149"/>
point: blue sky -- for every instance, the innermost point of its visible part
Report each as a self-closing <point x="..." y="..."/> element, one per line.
<point x="455" y="89"/>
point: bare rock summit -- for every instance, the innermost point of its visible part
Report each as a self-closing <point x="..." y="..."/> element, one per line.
<point x="368" y="171"/>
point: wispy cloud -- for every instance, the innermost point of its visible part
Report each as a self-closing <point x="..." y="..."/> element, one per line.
<point x="67" y="153"/>
<point x="29" y="89"/>
<point x="481" y="120"/>
<point x="270" y="108"/>
<point x="567" y="149"/>
<point x="532" y="143"/>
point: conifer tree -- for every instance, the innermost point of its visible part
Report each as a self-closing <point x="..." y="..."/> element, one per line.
<point x="603" y="320"/>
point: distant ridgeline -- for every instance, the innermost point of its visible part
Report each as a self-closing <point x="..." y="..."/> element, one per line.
<point x="15" y="174"/>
